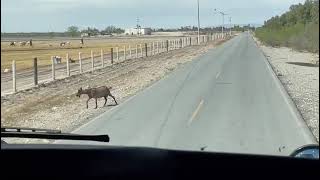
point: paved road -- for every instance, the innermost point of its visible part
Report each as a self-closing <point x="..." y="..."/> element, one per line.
<point x="227" y="100"/>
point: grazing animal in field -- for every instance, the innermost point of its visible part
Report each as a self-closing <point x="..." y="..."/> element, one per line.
<point x="71" y="60"/>
<point x="57" y="59"/>
<point x="6" y="70"/>
<point x="96" y="93"/>
<point x="12" y="43"/>
<point x="23" y="43"/>
<point x="29" y="42"/>
<point x="65" y="43"/>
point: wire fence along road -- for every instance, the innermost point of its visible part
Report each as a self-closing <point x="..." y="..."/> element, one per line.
<point x="14" y="81"/>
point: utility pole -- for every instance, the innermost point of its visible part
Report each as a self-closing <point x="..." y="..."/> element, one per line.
<point x="198" y="22"/>
<point x="223" y="14"/>
<point x="138" y="26"/>
<point x="230" y="25"/>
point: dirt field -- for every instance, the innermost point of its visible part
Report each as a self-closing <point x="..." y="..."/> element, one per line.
<point x="55" y="105"/>
<point x="44" y="49"/>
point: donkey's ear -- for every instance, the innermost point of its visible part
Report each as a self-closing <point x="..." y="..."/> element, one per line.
<point x="80" y="88"/>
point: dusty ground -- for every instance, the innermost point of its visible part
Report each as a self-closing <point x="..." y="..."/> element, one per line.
<point x="299" y="73"/>
<point x="55" y="106"/>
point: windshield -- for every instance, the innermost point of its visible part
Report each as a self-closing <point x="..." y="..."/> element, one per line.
<point x="216" y="76"/>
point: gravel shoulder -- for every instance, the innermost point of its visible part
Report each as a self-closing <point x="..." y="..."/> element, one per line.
<point x="299" y="73"/>
<point x="55" y="106"/>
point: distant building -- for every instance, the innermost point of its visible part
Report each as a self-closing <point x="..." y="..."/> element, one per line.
<point x="135" y="31"/>
<point x="84" y="34"/>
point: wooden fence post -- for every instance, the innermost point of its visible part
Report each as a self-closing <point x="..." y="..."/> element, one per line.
<point x="124" y="52"/>
<point x="35" y="71"/>
<point x="136" y="50"/>
<point x="92" y="61"/>
<point x="68" y="67"/>
<point x="80" y="63"/>
<point x="117" y="49"/>
<point x="53" y="68"/>
<point x="157" y="47"/>
<point x="14" y="83"/>
<point x="130" y="54"/>
<point x="102" y="60"/>
<point x="111" y="56"/>
<point x="141" y="52"/>
<point x="161" y="49"/>
<point x="167" y="45"/>
<point x="146" y="48"/>
<point x="153" y="48"/>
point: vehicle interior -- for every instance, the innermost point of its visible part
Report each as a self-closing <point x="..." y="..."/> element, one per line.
<point x="139" y="162"/>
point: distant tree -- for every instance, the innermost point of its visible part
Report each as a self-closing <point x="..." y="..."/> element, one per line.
<point x="297" y="28"/>
<point x="91" y="31"/>
<point x="73" y="31"/>
<point x="112" y="30"/>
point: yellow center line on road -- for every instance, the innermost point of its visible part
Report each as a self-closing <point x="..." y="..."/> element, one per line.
<point x="196" y="112"/>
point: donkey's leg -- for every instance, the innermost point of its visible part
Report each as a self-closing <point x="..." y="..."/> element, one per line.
<point x="113" y="98"/>
<point x="105" y="102"/>
<point x="87" y="102"/>
<point x="96" y="103"/>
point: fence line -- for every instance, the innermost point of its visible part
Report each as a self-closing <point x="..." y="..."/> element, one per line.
<point x="102" y="59"/>
<point x="150" y="49"/>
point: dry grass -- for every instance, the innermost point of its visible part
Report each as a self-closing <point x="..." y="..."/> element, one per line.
<point x="43" y="50"/>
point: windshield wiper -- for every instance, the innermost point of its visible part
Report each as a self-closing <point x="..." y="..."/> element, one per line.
<point x="35" y="133"/>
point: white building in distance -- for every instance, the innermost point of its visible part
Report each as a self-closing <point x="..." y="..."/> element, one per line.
<point x="135" y="31"/>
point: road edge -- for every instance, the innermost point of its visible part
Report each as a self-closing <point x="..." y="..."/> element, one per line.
<point x="292" y="106"/>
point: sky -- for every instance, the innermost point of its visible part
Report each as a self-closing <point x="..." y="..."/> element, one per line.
<point x="57" y="15"/>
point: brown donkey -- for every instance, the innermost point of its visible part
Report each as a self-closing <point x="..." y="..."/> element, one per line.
<point x="96" y="93"/>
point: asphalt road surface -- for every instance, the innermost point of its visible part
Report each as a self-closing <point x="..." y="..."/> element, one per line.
<point x="227" y="100"/>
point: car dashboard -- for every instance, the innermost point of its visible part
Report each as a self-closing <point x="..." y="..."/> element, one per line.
<point x="62" y="160"/>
